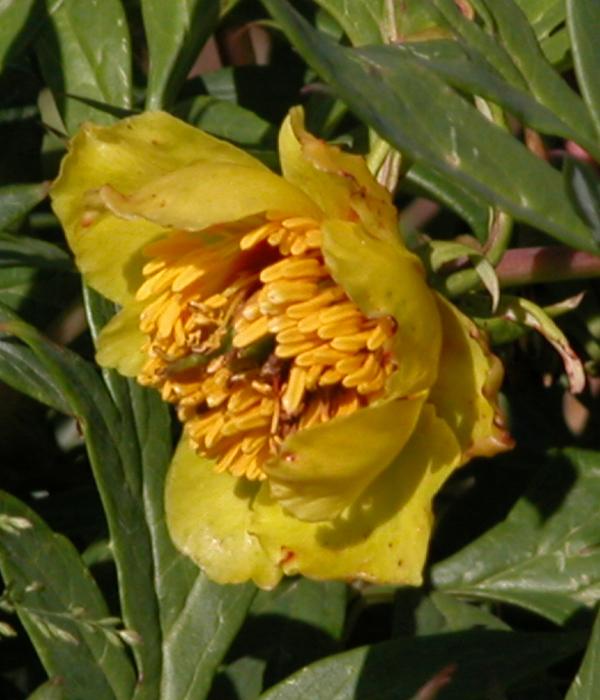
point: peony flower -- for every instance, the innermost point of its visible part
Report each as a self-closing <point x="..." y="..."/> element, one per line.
<point x="326" y="392"/>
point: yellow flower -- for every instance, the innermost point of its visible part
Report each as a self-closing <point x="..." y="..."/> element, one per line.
<point x="327" y="393"/>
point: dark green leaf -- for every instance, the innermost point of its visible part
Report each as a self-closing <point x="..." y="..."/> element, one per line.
<point x="84" y="50"/>
<point x="32" y="252"/>
<point x="468" y="206"/>
<point x="483" y="659"/>
<point x="21" y="369"/>
<point x="60" y="606"/>
<point x="516" y="54"/>
<point x="544" y="557"/>
<point x="583" y="185"/>
<point x="200" y="635"/>
<point x="294" y="625"/>
<point x="459" y="615"/>
<point x="584" y="28"/>
<point x="111" y="449"/>
<point x="176" y="31"/>
<point x="16" y="201"/>
<point x="227" y="120"/>
<point x="469" y="71"/>
<point x="363" y="22"/>
<point x="586" y="683"/>
<point x="198" y="618"/>
<point x="50" y="690"/>
<point x="545" y="84"/>
<point x="420" y="115"/>
<point x="14" y="30"/>
<point x="28" y="268"/>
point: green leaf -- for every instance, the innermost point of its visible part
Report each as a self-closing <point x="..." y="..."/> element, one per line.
<point x="227" y="120"/>
<point x="50" y="690"/>
<point x="16" y="201"/>
<point x="584" y="28"/>
<point x="287" y="628"/>
<point x="471" y="208"/>
<point x="200" y="635"/>
<point x="14" y="34"/>
<point x="516" y="54"/>
<point x="544" y="557"/>
<point x="456" y="140"/>
<point x="32" y="252"/>
<point x="176" y="31"/>
<point x="84" y="50"/>
<point x="21" y="369"/>
<point x="587" y="681"/>
<point x="363" y="22"/>
<point x="56" y="598"/>
<point x="459" y="615"/>
<point x="583" y="186"/>
<point x="519" y="40"/>
<point x="28" y="268"/>
<point x="198" y="618"/>
<point x="398" y="669"/>
<point x="468" y="71"/>
<point x="111" y="449"/>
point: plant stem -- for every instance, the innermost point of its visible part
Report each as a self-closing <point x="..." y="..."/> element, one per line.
<point x="521" y="266"/>
<point x="552" y="264"/>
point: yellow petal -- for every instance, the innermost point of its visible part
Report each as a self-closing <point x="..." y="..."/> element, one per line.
<point x="383" y="536"/>
<point x="208" y="516"/>
<point x="129" y="157"/>
<point x="323" y="469"/>
<point x="206" y="193"/>
<point x="383" y="279"/>
<point x="466" y="390"/>
<point x="119" y="344"/>
<point x="340" y="183"/>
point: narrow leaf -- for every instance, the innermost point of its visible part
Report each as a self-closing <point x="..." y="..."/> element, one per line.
<point x="16" y="201"/>
<point x="516" y="54"/>
<point x="54" y="594"/>
<point x="586" y="683"/>
<point x="111" y="451"/>
<point x="20" y="368"/>
<point x="456" y="140"/>
<point x="198" y="619"/>
<point x="584" y="28"/>
<point x="176" y="31"/>
<point x="467" y="70"/>
<point x="84" y="50"/>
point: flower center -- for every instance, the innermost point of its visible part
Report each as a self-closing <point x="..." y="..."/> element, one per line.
<point x="251" y="338"/>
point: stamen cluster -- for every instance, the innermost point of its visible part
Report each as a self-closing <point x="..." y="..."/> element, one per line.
<point x="251" y="338"/>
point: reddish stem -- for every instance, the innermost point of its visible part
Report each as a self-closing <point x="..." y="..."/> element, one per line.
<point x="556" y="263"/>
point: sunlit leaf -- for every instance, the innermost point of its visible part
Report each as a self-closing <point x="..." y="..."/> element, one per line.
<point x="198" y="619"/>
<point x="14" y="29"/>
<point x="454" y="139"/>
<point x="584" y="27"/>
<point x="84" y="50"/>
<point x="54" y="595"/>
<point x="176" y="31"/>
<point x="544" y="557"/>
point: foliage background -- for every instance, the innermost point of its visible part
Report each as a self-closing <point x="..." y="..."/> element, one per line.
<point x="495" y="107"/>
